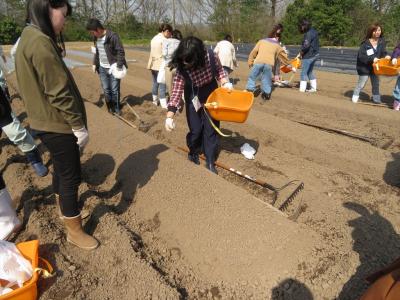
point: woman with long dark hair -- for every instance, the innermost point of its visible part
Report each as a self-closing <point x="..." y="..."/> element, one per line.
<point x="54" y="106"/>
<point x="371" y="50"/>
<point x="198" y="70"/>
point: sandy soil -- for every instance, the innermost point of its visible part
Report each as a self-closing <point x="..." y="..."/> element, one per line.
<point x="172" y="230"/>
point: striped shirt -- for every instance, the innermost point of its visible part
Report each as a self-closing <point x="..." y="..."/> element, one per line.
<point x="102" y="52"/>
<point x="199" y="77"/>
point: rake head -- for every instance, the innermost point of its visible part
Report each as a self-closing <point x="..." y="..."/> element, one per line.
<point x="286" y="204"/>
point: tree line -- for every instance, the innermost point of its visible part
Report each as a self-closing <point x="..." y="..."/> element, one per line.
<point x="339" y="22"/>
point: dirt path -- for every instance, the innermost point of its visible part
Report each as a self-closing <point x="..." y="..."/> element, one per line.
<point x="214" y="238"/>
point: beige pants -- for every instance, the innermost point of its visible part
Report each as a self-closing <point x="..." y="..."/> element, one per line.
<point x="169" y="78"/>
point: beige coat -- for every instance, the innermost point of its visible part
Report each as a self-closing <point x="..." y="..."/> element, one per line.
<point x="226" y="54"/>
<point x="156" y="56"/>
<point x="266" y="52"/>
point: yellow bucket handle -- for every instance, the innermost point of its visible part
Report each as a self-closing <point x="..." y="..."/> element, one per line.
<point x="214" y="126"/>
<point x="43" y="272"/>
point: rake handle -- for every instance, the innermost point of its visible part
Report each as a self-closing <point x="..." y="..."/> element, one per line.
<point x="225" y="167"/>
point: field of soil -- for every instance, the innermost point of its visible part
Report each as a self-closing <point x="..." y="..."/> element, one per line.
<point x="172" y="230"/>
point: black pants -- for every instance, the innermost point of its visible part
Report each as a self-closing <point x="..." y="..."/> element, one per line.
<point x="201" y="137"/>
<point x="64" y="153"/>
<point x="2" y="183"/>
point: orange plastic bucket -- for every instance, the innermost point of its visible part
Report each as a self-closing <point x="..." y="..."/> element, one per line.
<point x="229" y="106"/>
<point x="295" y="62"/>
<point x="384" y="67"/>
<point x="30" y="250"/>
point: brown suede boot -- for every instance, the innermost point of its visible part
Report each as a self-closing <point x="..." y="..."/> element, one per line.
<point x="76" y="235"/>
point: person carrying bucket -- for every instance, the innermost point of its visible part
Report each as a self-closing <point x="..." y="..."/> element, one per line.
<point x="198" y="70"/>
<point x="309" y="54"/>
<point x="54" y="107"/>
<point x="108" y="51"/>
<point x="371" y="50"/>
<point x="262" y="60"/>
<point x="396" y="93"/>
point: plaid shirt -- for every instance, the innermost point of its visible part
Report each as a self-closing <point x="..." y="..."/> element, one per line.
<point x="199" y="77"/>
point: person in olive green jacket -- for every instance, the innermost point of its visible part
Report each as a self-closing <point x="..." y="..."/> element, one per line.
<point x="54" y="106"/>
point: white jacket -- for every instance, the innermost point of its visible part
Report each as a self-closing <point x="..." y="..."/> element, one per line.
<point x="155" y="58"/>
<point x="226" y="53"/>
<point x="168" y="48"/>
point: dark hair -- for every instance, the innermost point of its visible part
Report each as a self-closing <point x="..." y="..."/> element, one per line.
<point x="371" y="29"/>
<point x="228" y="38"/>
<point x="274" y="32"/>
<point x="176" y="34"/>
<point x="190" y="54"/>
<point x="165" y="26"/>
<point x="38" y="15"/>
<point x="304" y="25"/>
<point x="94" y="24"/>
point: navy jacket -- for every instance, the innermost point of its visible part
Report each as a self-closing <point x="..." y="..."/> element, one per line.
<point x="114" y="50"/>
<point x="310" y="45"/>
<point x="5" y="110"/>
<point x="366" y="55"/>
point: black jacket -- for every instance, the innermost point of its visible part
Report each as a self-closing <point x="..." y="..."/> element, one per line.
<point x="5" y="110"/>
<point x="366" y="55"/>
<point x="114" y="50"/>
<point x="310" y="45"/>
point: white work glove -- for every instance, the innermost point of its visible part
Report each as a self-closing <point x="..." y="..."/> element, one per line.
<point x="387" y="57"/>
<point x="394" y="61"/>
<point x="228" y="86"/>
<point x="94" y="69"/>
<point x="169" y="124"/>
<point x="294" y="70"/>
<point x="82" y="135"/>
<point x="376" y="60"/>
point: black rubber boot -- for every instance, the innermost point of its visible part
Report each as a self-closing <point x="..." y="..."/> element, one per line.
<point x="194" y="158"/>
<point x="211" y="166"/>
<point x="35" y="160"/>
<point x="110" y="106"/>
<point x="266" y="96"/>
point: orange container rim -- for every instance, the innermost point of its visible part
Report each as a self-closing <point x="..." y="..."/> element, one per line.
<point x="29" y="250"/>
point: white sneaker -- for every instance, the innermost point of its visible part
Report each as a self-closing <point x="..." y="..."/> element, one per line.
<point x="311" y="90"/>
<point x="355" y="98"/>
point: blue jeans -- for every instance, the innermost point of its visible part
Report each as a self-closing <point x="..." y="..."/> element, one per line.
<point x="307" y="67"/>
<point x="156" y="85"/>
<point x="111" y="87"/>
<point x="396" y="92"/>
<point x="362" y="80"/>
<point x="266" y="78"/>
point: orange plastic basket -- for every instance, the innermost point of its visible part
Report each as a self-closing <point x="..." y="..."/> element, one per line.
<point x="295" y="62"/>
<point x="384" y="67"/>
<point x="30" y="250"/>
<point x="229" y="106"/>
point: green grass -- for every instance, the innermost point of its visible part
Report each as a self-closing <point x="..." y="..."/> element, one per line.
<point x="136" y="42"/>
